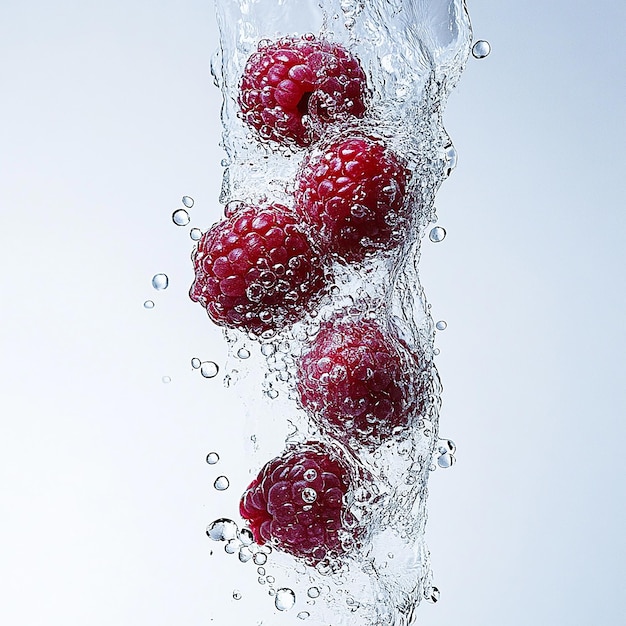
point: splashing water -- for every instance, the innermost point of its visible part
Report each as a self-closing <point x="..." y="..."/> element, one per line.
<point x="413" y="53"/>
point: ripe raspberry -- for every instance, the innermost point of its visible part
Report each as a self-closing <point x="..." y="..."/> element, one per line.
<point x="353" y="382"/>
<point x="352" y="192"/>
<point x="255" y="270"/>
<point x="297" y="502"/>
<point x="297" y="76"/>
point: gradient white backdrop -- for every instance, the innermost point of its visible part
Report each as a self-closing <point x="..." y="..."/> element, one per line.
<point x="108" y="116"/>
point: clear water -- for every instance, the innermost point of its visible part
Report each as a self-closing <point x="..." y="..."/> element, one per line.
<point x="413" y="52"/>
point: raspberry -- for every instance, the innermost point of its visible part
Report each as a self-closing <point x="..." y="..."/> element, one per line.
<point x="297" y="502"/>
<point x="293" y="77"/>
<point x="352" y="381"/>
<point x="256" y="270"/>
<point x="352" y="192"/>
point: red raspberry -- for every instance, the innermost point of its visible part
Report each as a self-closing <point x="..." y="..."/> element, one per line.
<point x="255" y="270"/>
<point x="352" y="192"/>
<point x="353" y="382"/>
<point x="295" y="76"/>
<point x="297" y="502"/>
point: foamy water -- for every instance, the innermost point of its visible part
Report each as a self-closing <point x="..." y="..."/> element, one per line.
<point x="413" y="53"/>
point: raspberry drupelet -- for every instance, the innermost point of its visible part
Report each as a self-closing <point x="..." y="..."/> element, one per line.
<point x="353" y="382"/>
<point x="297" y="76"/>
<point x="352" y="193"/>
<point x="297" y="503"/>
<point x="256" y="270"/>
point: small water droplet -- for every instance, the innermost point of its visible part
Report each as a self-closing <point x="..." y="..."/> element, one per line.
<point x="436" y="351"/>
<point x="271" y="579"/>
<point x="285" y="599"/>
<point x="309" y="495"/>
<point x="260" y="570"/>
<point x="441" y="325"/>
<point x="148" y="304"/>
<point x="446" y="460"/>
<point x="272" y="394"/>
<point x="437" y="234"/>
<point x="160" y="281"/>
<point x="243" y="353"/>
<point x="180" y="217"/>
<point x="166" y="379"/>
<point x="236" y="595"/>
<point x="452" y="158"/>
<point x="187" y="201"/>
<point x="245" y="554"/>
<point x="260" y="559"/>
<point x="209" y="369"/>
<point x="195" y="363"/>
<point x="481" y="49"/>
<point x="222" y="529"/>
<point x="221" y="483"/>
<point x="313" y="592"/>
<point x="303" y="614"/>
<point x="212" y="458"/>
<point x="432" y="595"/>
<point x="195" y="234"/>
<point x="246" y="537"/>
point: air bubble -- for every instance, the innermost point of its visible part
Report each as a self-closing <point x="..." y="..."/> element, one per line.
<point x="313" y="592"/>
<point x="148" y="304"/>
<point x="236" y="595"/>
<point x="246" y="536"/>
<point x="195" y="363"/>
<point x="285" y="599"/>
<point x="441" y="325"/>
<point x="309" y="495"/>
<point x="436" y="351"/>
<point x="272" y="394"/>
<point x="222" y="529"/>
<point x="160" y="281"/>
<point x="212" y="458"/>
<point x="180" y="217"/>
<point x="303" y="614"/>
<point x="437" y="234"/>
<point x="209" y="369"/>
<point x="446" y="460"/>
<point x="166" y="379"/>
<point x="221" y="483"/>
<point x="195" y="234"/>
<point x="187" y="201"/>
<point x="432" y="595"/>
<point x="243" y="353"/>
<point x="260" y="558"/>
<point x="452" y="158"/>
<point x="310" y="475"/>
<point x="245" y="554"/>
<point x="481" y="49"/>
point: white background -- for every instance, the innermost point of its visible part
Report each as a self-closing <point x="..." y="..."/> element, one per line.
<point x="108" y="116"/>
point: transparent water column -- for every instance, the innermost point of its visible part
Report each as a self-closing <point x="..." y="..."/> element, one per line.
<point x="412" y="53"/>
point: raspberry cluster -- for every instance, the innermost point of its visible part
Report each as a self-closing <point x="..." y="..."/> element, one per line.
<point x="264" y="267"/>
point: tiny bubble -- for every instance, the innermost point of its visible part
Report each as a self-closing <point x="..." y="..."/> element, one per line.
<point x="436" y="351"/>
<point x="160" y="281"/>
<point x="187" y="201"/>
<point x="303" y="614"/>
<point x="437" y="234"/>
<point x="221" y="483"/>
<point x="481" y="49"/>
<point x="166" y="379"/>
<point x="260" y="559"/>
<point x="180" y="217"/>
<point x="313" y="592"/>
<point x="195" y="234"/>
<point x="243" y="353"/>
<point x="432" y="595"/>
<point x="236" y="595"/>
<point x="212" y="458"/>
<point x="441" y="325"/>
<point x="148" y="304"/>
<point x="209" y="369"/>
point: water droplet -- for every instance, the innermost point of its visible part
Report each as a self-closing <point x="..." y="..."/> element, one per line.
<point x="187" y="201"/>
<point x="160" y="281"/>
<point x="148" y="304"/>
<point x="310" y="475"/>
<point x="271" y="579"/>
<point x="436" y="351"/>
<point x="285" y="599"/>
<point x="243" y="353"/>
<point x="212" y="458"/>
<point x="222" y="529"/>
<point x="303" y="614"/>
<point x="195" y="234"/>
<point x="209" y="369"/>
<point x="260" y="559"/>
<point x="246" y="537"/>
<point x="180" y="217"/>
<point x="452" y="158"/>
<point x="432" y="595"/>
<point x="437" y="234"/>
<point x="267" y="349"/>
<point x="446" y="460"/>
<point x="260" y="571"/>
<point x="313" y="592"/>
<point x="221" y="483"/>
<point x="245" y="554"/>
<point x="166" y="379"/>
<point x="272" y="394"/>
<point x="309" y="495"/>
<point x="481" y="49"/>
<point x="441" y="325"/>
<point x="236" y="595"/>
